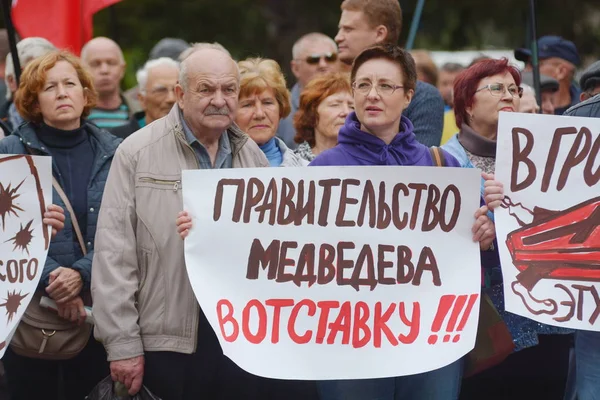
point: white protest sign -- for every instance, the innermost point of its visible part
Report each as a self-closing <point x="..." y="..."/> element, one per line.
<point x="336" y="272"/>
<point x="548" y="227"/>
<point x="25" y="192"/>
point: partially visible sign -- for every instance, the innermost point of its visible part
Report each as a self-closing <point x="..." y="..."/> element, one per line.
<point x="25" y="192"/>
<point x="549" y="224"/>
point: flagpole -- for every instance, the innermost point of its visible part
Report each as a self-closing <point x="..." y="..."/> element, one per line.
<point x="535" y="64"/>
<point x="12" y="38"/>
<point x="414" y="26"/>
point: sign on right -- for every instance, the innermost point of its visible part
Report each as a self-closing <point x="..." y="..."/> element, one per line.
<point x="548" y="225"/>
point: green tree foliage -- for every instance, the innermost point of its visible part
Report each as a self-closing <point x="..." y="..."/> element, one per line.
<point x="269" y="27"/>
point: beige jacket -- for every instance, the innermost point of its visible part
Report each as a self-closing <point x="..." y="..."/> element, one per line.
<point x="143" y="300"/>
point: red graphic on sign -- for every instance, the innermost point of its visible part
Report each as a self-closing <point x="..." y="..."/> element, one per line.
<point x="456" y="303"/>
<point x="22" y="239"/>
<point x="554" y="245"/>
<point x="8" y="196"/>
<point x="12" y="303"/>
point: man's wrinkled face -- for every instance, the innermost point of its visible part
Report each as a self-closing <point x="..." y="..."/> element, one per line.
<point x="210" y="100"/>
<point x="159" y="94"/>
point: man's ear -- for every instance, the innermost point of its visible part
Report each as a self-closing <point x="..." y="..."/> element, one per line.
<point x="381" y="33"/>
<point x="123" y="67"/>
<point x="295" y="65"/>
<point x="12" y="84"/>
<point x="563" y="72"/>
<point x="583" y="96"/>
<point x="179" y="95"/>
<point x="409" y="96"/>
<point x="142" y="100"/>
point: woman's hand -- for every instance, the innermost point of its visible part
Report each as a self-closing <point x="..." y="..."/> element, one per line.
<point x="72" y="310"/>
<point x="493" y="192"/>
<point x="184" y="224"/>
<point x="484" y="230"/>
<point x="55" y="217"/>
<point x="65" y="284"/>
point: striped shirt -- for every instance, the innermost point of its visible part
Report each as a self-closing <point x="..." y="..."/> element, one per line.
<point x="107" y="119"/>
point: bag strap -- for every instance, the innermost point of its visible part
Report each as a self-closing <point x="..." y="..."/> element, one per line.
<point x="65" y="200"/>
<point x="437" y="155"/>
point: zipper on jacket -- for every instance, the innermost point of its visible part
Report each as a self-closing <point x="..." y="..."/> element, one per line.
<point x="179" y="136"/>
<point x="174" y="183"/>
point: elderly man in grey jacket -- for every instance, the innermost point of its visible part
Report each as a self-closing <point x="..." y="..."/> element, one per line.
<point x="146" y="313"/>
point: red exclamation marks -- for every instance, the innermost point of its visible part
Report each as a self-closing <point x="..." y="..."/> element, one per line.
<point x="472" y="300"/>
<point x="445" y="304"/>
<point x="456" y="310"/>
<point x="456" y="303"/>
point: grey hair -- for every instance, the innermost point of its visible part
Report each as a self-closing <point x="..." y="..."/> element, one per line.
<point x="28" y="49"/>
<point x="527" y="89"/>
<point x="202" y="45"/>
<point x="183" y="73"/>
<point x="310" y="38"/>
<point x="142" y="74"/>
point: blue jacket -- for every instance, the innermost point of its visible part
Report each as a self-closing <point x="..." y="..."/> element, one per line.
<point x="356" y="147"/>
<point x="64" y="249"/>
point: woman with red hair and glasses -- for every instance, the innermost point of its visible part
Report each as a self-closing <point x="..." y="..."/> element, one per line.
<point x="481" y="92"/>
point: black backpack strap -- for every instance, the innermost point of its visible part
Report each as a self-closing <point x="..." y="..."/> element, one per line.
<point x="437" y="155"/>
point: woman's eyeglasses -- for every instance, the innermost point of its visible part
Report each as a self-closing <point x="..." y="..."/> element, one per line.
<point x="314" y="59"/>
<point x="383" y="89"/>
<point x="498" y="90"/>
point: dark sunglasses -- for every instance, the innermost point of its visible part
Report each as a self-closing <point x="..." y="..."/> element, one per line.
<point x="316" y="58"/>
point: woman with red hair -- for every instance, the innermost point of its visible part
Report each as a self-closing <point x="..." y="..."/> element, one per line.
<point x="324" y="105"/>
<point x="481" y="92"/>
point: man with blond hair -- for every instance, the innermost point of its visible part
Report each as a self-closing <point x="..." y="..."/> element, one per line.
<point x="365" y="23"/>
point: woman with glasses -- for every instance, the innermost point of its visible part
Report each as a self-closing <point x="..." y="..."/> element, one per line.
<point x="324" y="105"/>
<point x="376" y="133"/>
<point x="481" y="92"/>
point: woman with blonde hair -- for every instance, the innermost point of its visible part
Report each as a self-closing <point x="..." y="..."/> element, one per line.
<point x="263" y="101"/>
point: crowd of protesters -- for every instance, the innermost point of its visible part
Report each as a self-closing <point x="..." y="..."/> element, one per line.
<point x="357" y="99"/>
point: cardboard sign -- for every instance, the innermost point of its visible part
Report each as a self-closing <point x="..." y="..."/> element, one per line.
<point x="548" y="226"/>
<point x="336" y="272"/>
<point x="25" y="192"/>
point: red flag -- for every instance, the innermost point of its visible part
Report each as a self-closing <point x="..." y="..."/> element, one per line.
<point x="65" y="23"/>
